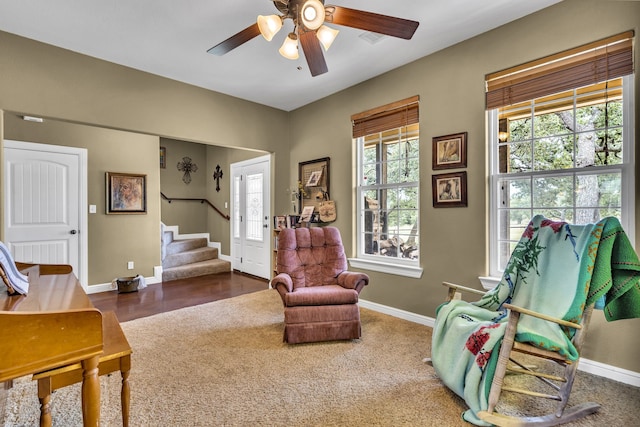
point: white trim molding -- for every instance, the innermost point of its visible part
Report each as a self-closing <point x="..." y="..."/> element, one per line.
<point x="589" y="366"/>
<point x="111" y="286"/>
<point x="389" y="268"/>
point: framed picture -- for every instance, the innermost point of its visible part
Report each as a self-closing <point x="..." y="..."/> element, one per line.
<point x="450" y="151"/>
<point x="126" y="193"/>
<point x="163" y="157"/>
<point x="280" y="222"/>
<point x="449" y="190"/>
<point x="307" y="214"/>
<point x="293" y="221"/>
<point x="313" y="177"/>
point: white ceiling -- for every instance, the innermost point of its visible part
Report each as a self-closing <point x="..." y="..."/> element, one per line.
<point x="170" y="38"/>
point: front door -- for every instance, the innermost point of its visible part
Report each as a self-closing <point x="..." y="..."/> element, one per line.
<point x="43" y="193"/>
<point x="250" y="249"/>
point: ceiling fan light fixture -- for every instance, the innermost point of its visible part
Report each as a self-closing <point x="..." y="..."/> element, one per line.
<point x="326" y="35"/>
<point x="269" y="26"/>
<point x="312" y="14"/>
<point x="289" y="48"/>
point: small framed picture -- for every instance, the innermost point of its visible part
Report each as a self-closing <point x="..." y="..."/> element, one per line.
<point x="450" y="151"/>
<point x="126" y="193"/>
<point x="293" y="221"/>
<point x="163" y="157"/>
<point x="314" y="178"/>
<point x="449" y="190"/>
<point x="280" y="222"/>
<point x="307" y="214"/>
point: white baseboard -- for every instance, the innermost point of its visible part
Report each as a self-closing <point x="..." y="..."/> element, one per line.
<point x="612" y="372"/>
<point x="395" y="312"/>
<point x="105" y="287"/>
<point x="590" y="366"/>
<point x="177" y="236"/>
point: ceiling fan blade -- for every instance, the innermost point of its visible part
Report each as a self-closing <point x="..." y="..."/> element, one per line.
<point x="313" y="53"/>
<point x="235" y="40"/>
<point x="374" y="22"/>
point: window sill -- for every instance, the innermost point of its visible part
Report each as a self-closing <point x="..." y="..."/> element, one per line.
<point x="489" y="282"/>
<point x="382" y="267"/>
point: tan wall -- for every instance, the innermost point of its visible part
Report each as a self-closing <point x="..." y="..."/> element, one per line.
<point x="68" y="88"/>
<point x="42" y="80"/>
<point x="59" y="85"/>
<point x="113" y="240"/>
<point x="46" y="81"/>
<point x="450" y="84"/>
<point x="191" y="217"/>
<point x="196" y="217"/>
<point x="50" y="82"/>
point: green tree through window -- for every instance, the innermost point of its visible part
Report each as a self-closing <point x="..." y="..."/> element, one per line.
<point x="563" y="157"/>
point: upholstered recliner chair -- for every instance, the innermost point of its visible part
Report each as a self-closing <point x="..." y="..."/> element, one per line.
<point x="320" y="297"/>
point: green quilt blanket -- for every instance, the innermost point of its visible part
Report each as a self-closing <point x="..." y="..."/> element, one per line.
<point x="556" y="269"/>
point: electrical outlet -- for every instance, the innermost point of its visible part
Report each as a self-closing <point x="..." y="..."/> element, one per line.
<point x="130" y="265"/>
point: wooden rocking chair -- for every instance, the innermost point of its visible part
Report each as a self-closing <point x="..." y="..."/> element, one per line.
<point x="540" y="310"/>
<point x="559" y="384"/>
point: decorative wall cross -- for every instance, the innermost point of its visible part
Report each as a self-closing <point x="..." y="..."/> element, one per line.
<point x="217" y="176"/>
<point x="187" y="167"/>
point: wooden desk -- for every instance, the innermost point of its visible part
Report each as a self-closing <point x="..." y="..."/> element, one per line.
<point x="55" y="325"/>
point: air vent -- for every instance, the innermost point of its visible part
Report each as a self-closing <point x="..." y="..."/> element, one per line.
<point x="371" y="38"/>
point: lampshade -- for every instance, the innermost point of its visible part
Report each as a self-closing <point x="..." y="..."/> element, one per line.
<point x="269" y="25"/>
<point x="326" y="35"/>
<point x="312" y="14"/>
<point x="289" y="48"/>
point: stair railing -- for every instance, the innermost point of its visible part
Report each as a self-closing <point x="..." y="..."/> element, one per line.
<point x="170" y="199"/>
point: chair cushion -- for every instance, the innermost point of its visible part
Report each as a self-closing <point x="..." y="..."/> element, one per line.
<point x="321" y="295"/>
<point x="311" y="256"/>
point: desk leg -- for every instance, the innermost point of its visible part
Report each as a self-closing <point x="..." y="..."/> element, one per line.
<point x="125" y="368"/>
<point x="91" y="392"/>
<point x="44" y="394"/>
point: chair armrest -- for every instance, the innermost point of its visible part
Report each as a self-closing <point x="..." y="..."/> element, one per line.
<point x="457" y="289"/>
<point x="353" y="280"/>
<point x="283" y="284"/>
<point x="542" y="316"/>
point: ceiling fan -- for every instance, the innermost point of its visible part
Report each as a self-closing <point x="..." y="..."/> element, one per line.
<point x="309" y="17"/>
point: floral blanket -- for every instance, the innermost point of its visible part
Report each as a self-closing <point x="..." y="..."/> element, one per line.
<point x="556" y="269"/>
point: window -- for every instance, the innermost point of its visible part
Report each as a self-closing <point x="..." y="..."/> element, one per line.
<point x="564" y="154"/>
<point x="388" y="188"/>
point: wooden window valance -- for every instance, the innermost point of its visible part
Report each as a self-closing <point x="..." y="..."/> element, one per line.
<point x="585" y="65"/>
<point x="390" y="116"/>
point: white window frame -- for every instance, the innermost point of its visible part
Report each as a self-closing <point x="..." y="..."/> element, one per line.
<point x="626" y="169"/>
<point x="395" y="266"/>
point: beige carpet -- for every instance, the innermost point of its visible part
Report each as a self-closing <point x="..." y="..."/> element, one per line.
<point x="224" y="364"/>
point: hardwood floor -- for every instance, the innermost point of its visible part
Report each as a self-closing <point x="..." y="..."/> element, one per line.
<point x="168" y="296"/>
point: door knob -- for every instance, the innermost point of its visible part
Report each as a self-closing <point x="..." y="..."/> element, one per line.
<point x="73" y="231"/>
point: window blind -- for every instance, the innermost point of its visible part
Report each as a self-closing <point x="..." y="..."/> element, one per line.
<point x="390" y="116"/>
<point x="585" y="65"/>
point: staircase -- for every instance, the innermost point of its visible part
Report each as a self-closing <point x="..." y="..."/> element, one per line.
<point x="189" y="257"/>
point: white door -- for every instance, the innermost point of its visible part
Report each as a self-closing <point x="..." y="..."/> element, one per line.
<point x="44" y="190"/>
<point x="250" y="230"/>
